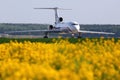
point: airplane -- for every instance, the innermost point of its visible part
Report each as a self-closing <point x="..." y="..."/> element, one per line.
<point x="62" y="27"/>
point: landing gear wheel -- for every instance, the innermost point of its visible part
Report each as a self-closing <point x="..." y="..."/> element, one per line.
<point x="73" y="36"/>
<point x="79" y="35"/>
<point x="45" y="37"/>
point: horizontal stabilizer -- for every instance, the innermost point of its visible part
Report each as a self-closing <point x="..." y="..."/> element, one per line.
<point x="53" y="8"/>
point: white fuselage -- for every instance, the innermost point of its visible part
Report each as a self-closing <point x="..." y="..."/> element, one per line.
<point x="68" y="27"/>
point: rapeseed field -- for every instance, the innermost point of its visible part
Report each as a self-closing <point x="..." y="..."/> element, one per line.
<point x="61" y="60"/>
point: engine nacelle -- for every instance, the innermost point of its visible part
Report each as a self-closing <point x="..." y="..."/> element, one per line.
<point x="51" y="27"/>
<point x="60" y="19"/>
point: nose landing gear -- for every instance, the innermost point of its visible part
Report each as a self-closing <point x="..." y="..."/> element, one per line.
<point x="79" y="35"/>
<point x="73" y="35"/>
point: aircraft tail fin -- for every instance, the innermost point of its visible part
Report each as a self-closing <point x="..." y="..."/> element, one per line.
<point x="56" y="14"/>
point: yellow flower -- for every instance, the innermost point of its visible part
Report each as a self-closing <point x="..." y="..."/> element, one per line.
<point x="61" y="60"/>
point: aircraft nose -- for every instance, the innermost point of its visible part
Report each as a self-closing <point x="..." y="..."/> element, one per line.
<point x="77" y="27"/>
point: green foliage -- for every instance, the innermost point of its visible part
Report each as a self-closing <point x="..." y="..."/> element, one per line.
<point x="19" y="27"/>
<point x="51" y="40"/>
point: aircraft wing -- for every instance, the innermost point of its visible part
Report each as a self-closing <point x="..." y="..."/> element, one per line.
<point x="39" y="31"/>
<point x="94" y="32"/>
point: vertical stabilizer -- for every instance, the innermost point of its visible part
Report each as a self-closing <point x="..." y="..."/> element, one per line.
<point x="56" y="13"/>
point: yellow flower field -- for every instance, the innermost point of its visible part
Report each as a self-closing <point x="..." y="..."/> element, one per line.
<point x="86" y="60"/>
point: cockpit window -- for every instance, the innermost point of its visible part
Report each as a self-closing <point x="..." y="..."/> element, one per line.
<point x="74" y="24"/>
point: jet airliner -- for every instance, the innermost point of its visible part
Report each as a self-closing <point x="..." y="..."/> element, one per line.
<point x="62" y="27"/>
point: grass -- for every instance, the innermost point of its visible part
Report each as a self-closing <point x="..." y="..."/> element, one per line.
<point x="49" y="40"/>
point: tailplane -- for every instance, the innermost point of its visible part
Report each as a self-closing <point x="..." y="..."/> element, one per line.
<point x="57" y="19"/>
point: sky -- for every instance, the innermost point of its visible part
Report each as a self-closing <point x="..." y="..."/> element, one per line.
<point x="83" y="11"/>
